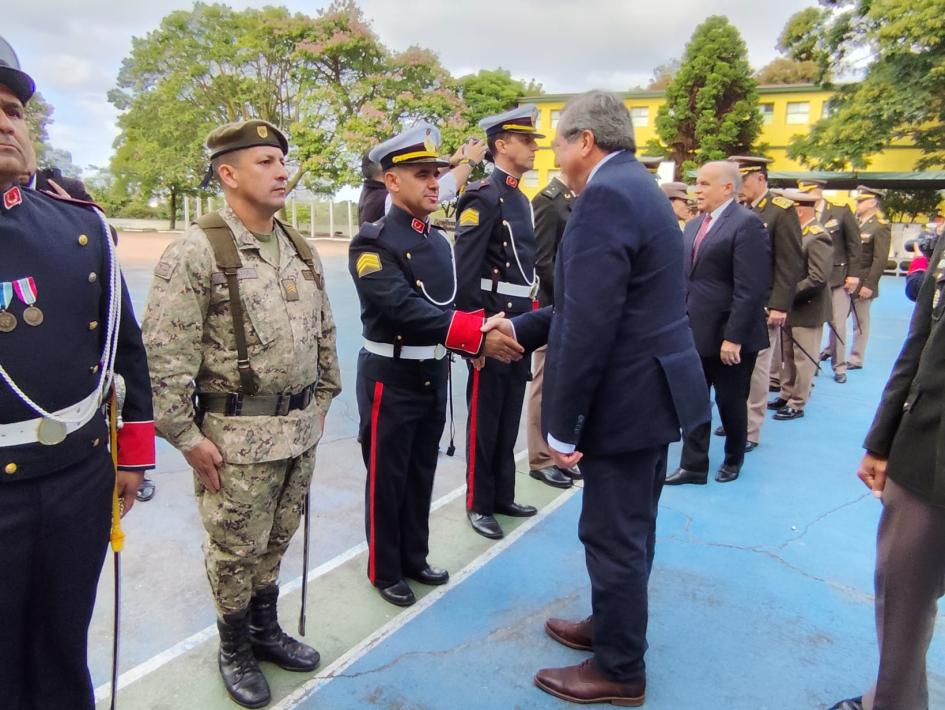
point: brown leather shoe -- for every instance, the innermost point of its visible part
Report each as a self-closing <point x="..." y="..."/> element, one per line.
<point x="573" y="634"/>
<point x="585" y="684"/>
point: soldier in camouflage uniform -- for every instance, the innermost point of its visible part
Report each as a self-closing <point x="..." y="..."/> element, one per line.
<point x="250" y="433"/>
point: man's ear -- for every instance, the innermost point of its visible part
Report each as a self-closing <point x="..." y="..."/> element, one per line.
<point x="391" y="181"/>
<point x="226" y="174"/>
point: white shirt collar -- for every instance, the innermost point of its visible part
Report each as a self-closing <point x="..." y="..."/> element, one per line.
<point x="598" y="166"/>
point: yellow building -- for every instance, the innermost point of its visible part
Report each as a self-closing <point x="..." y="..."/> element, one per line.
<point x="787" y="111"/>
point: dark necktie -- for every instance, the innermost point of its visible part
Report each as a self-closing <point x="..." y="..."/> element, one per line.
<point x="700" y="235"/>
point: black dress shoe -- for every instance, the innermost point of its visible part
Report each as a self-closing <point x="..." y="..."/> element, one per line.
<point x="682" y="475"/>
<point x="720" y="431"/>
<point x="573" y="473"/>
<point x="432" y="576"/>
<point x="750" y="446"/>
<point x="849" y="704"/>
<point x="399" y="594"/>
<point x="777" y="403"/>
<point x="774" y="388"/>
<point x="851" y="366"/>
<point x="788" y="413"/>
<point x="824" y="356"/>
<point x="726" y="473"/>
<point x="514" y="510"/>
<point x="552" y="476"/>
<point x="840" y="378"/>
<point x="485" y="525"/>
<point x="145" y="490"/>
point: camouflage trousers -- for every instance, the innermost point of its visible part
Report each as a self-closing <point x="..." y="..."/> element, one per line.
<point x="249" y="524"/>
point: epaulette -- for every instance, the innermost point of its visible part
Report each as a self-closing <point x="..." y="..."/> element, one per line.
<point x="70" y="200"/>
<point x="816" y="229"/>
<point x="881" y="219"/>
<point x="552" y="191"/>
<point x="371" y="230"/>
<point x="782" y="202"/>
<point x="478" y="185"/>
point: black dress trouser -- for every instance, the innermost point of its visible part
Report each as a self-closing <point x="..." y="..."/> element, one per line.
<point x="53" y="540"/>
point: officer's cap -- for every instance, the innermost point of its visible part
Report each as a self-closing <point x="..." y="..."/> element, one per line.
<point x="417" y="145"/>
<point x="676" y="190"/>
<point x="651" y="162"/>
<point x="800" y="196"/>
<point x="11" y="76"/>
<point x="750" y="163"/>
<point x="868" y="193"/>
<point x="808" y="184"/>
<point x="523" y="119"/>
<point x="245" y="134"/>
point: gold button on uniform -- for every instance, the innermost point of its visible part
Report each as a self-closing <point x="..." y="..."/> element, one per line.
<point x="10" y="468"/>
<point x="93" y="325"/>
<point x="83" y="240"/>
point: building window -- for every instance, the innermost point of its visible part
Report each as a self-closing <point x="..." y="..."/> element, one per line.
<point x="767" y="113"/>
<point x="530" y="179"/>
<point x="640" y="115"/>
<point x="798" y="113"/>
<point x="555" y="115"/>
<point x="828" y="110"/>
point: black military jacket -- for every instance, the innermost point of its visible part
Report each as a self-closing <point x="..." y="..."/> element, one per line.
<point x="495" y="240"/>
<point x="908" y="427"/>
<point x="63" y="247"/>
<point x="405" y="278"/>
<point x="787" y="261"/>
<point x="875" y="237"/>
<point x="552" y="208"/>
<point x="844" y="232"/>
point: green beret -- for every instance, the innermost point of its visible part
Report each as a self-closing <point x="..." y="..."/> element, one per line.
<point x="245" y="134"/>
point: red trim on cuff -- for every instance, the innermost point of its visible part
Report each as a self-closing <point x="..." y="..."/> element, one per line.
<point x="919" y="262"/>
<point x="465" y="331"/>
<point x="136" y="444"/>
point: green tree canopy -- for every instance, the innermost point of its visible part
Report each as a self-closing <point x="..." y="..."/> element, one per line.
<point x="901" y="95"/>
<point x="491" y="91"/>
<point x="711" y="107"/>
<point x="784" y="70"/>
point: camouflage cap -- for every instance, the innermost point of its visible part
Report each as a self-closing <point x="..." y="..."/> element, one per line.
<point x="245" y="134"/>
<point x="11" y="76"/>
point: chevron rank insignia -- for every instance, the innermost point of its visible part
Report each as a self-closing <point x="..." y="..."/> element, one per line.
<point x="368" y="263"/>
<point x="469" y="216"/>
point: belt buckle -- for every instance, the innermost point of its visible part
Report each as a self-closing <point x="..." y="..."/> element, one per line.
<point x="282" y="404"/>
<point x="50" y="432"/>
<point x="439" y="352"/>
<point x="234" y="404"/>
<point x="307" y="395"/>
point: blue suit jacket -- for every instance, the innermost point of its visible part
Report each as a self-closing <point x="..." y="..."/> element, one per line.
<point x="729" y="283"/>
<point x="621" y="373"/>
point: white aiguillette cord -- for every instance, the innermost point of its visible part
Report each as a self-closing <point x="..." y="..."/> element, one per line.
<point x="452" y="298"/>
<point x="108" y="352"/>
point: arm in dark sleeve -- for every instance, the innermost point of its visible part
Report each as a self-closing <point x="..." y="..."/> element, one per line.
<point x="889" y="413"/>
<point x="388" y="290"/>
<point x="531" y="329"/>
<point x="851" y="238"/>
<point x="819" y="267"/>
<point x="788" y="259"/>
<point x="547" y="222"/>
<point x="470" y="250"/>
<point x="881" y="240"/>
<point x="751" y="274"/>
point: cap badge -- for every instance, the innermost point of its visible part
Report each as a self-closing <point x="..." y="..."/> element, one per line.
<point x="262" y="131"/>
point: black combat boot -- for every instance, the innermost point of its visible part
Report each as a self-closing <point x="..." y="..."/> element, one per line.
<point x="242" y="677"/>
<point x="270" y="642"/>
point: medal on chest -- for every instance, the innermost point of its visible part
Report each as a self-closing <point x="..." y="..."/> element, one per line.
<point x="26" y="290"/>
<point x="7" y="320"/>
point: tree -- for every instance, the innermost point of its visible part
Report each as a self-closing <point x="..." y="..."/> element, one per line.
<point x="492" y="91"/>
<point x="901" y="95"/>
<point x="784" y="70"/>
<point x="906" y="205"/>
<point x="663" y="75"/>
<point x="711" y="108"/>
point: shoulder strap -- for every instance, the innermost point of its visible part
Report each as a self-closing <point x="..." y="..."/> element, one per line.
<point x="228" y="261"/>
<point x="301" y="246"/>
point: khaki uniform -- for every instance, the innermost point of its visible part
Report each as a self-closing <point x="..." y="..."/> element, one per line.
<point x="875" y="237"/>
<point x="844" y="231"/>
<point x="268" y="460"/>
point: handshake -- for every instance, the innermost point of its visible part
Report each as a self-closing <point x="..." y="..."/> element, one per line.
<point x="500" y="343"/>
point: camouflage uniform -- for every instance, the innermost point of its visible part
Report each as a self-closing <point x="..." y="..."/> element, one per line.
<point x="268" y="460"/>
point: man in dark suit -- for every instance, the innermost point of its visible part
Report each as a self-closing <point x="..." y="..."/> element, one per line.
<point x="905" y="468"/>
<point x="621" y="378"/>
<point x="728" y="265"/>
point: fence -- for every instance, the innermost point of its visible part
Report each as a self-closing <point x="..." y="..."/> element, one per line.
<point x="312" y="217"/>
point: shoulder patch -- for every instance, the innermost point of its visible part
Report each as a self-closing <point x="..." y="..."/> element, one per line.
<point x="165" y="269"/>
<point x="782" y="202"/>
<point x="469" y="216"/>
<point x="368" y="263"/>
<point x="478" y="185"/>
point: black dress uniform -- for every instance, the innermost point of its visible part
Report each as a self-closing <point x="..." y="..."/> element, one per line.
<point x="405" y="277"/>
<point x="495" y="266"/>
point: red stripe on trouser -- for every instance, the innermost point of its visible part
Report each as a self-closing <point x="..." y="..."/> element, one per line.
<point x="471" y="454"/>
<point x="375" y="415"/>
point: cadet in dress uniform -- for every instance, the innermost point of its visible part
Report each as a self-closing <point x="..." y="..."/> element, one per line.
<point x="238" y="316"/>
<point x="787" y="260"/>
<point x="844" y="231"/>
<point x="495" y="267"/>
<point x="66" y="329"/>
<point x="678" y="194"/>
<point x="874" y="237"/>
<point x="805" y="323"/>
<point x="405" y="277"/>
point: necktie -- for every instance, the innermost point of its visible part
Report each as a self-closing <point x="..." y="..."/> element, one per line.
<point x="700" y="235"/>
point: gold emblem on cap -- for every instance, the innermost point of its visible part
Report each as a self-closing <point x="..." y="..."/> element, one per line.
<point x="262" y="131"/>
<point x="428" y="142"/>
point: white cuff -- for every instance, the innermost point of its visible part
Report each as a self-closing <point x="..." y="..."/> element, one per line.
<point x="560" y="446"/>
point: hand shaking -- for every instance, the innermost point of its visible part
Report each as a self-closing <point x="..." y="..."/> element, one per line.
<point x="500" y="343"/>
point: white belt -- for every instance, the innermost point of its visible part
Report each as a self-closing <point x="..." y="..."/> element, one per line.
<point x="407" y="352"/>
<point x="27" y="432"/>
<point x="506" y="289"/>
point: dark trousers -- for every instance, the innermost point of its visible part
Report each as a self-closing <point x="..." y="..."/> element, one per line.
<point x="400" y="438"/>
<point x="618" y="529"/>
<point x="53" y="539"/>
<point x="494" y="396"/>
<point x="732" y="384"/>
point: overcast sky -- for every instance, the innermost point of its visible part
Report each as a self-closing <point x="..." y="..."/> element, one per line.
<point x="74" y="50"/>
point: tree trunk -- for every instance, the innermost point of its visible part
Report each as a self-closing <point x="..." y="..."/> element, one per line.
<point x="173" y="209"/>
<point x="293" y="181"/>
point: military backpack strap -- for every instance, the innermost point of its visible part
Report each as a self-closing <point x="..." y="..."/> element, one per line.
<point x="303" y="249"/>
<point x="228" y="261"/>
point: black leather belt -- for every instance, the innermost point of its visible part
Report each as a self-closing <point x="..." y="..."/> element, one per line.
<point x="237" y="404"/>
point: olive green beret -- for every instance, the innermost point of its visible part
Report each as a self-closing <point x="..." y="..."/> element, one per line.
<point x="245" y="134"/>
